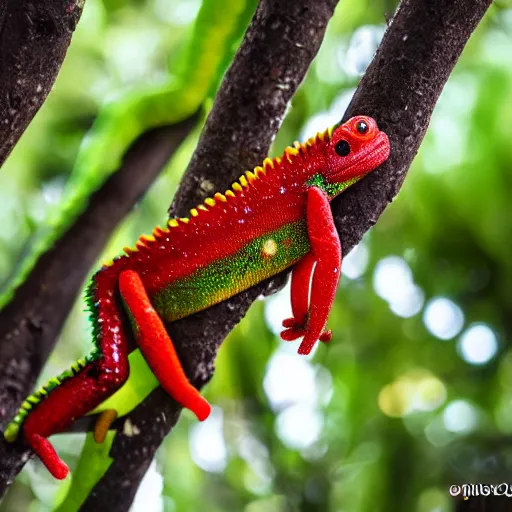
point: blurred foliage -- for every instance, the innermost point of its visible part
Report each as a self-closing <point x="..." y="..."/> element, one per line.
<point x="415" y="391"/>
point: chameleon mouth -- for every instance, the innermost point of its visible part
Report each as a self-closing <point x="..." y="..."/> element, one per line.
<point x="376" y="154"/>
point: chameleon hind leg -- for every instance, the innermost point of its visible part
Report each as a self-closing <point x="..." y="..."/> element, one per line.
<point x="156" y="346"/>
<point x="310" y="313"/>
<point x="80" y="393"/>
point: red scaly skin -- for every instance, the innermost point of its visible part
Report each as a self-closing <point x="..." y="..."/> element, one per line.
<point x="291" y="189"/>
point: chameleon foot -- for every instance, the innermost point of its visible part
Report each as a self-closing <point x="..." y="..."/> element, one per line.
<point x="46" y="452"/>
<point x="103" y="424"/>
<point x="295" y="329"/>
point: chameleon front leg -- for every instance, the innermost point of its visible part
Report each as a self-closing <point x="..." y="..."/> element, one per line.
<point x="295" y="327"/>
<point x="156" y="345"/>
<point x="326" y="252"/>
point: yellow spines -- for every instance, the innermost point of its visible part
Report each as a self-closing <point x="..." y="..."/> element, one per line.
<point x="260" y="171"/>
<point x="158" y="231"/>
<point x="268" y="164"/>
<point x="245" y="181"/>
<point x="325" y="135"/>
<point x="250" y="176"/>
<point x="290" y="152"/>
<point x="310" y="142"/>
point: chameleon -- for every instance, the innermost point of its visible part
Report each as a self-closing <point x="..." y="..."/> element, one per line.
<point x="274" y="217"/>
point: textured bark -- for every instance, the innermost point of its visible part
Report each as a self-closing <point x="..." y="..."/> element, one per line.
<point x="31" y="322"/>
<point x="277" y="50"/>
<point x="399" y="89"/>
<point x="34" y="38"/>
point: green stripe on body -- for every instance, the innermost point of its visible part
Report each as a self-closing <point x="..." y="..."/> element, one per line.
<point x="263" y="257"/>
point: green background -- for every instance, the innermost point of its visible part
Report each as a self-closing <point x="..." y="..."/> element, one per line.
<point x="415" y="391"/>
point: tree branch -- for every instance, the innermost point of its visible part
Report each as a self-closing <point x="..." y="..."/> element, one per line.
<point x="34" y="38"/>
<point x="277" y="50"/>
<point x="400" y="89"/>
<point x="31" y="322"/>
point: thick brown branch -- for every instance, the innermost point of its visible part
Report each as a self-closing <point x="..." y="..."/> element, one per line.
<point x="399" y="89"/>
<point x="34" y="38"/>
<point x="277" y="50"/>
<point x="30" y="324"/>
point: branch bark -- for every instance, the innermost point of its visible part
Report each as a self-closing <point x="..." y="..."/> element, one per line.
<point x="277" y="50"/>
<point x="399" y="89"/>
<point x="31" y="322"/>
<point x="34" y="38"/>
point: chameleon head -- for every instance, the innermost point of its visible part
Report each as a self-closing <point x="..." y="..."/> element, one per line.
<point x="356" y="148"/>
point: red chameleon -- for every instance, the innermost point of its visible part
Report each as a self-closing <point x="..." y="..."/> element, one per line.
<point x="273" y="218"/>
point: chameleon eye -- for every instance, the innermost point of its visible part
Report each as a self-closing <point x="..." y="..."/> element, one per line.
<point x="362" y="127"/>
<point x="342" y="148"/>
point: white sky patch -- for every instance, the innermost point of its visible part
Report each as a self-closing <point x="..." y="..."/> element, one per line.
<point x="443" y="318"/>
<point x="460" y="417"/>
<point x="299" y="426"/>
<point x="355" y="263"/>
<point x="289" y="380"/>
<point x="340" y="103"/>
<point x="131" y="51"/>
<point x="257" y="457"/>
<point x="393" y="281"/>
<point x="149" y="494"/>
<point x="277" y="308"/>
<point x="361" y="50"/>
<point x="477" y="344"/>
<point x="178" y="13"/>
<point x="318" y="123"/>
<point x="448" y="138"/>
<point x="207" y="445"/>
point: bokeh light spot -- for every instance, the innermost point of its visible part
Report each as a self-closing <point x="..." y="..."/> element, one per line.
<point x="460" y="417"/>
<point x="289" y="379"/>
<point x="355" y="263"/>
<point x="416" y="390"/>
<point x="207" y="445"/>
<point x="361" y="49"/>
<point x="478" y="344"/>
<point x="443" y="318"/>
<point x="299" y="426"/>
<point x="393" y="281"/>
